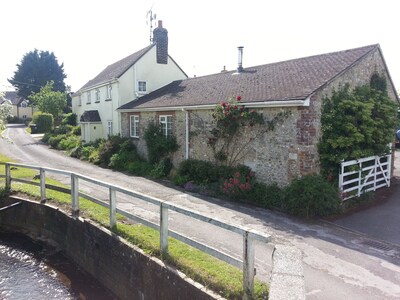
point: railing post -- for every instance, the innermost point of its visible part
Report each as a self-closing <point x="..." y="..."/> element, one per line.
<point x="42" y="185"/>
<point x="8" y="177"/>
<point x="75" y="194"/>
<point x="389" y="168"/>
<point x="113" y="207"/>
<point x="163" y="229"/>
<point x="248" y="266"/>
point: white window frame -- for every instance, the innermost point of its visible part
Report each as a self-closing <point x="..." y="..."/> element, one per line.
<point x="97" y="95"/>
<point x="109" y="128"/>
<point x="109" y="91"/>
<point x="140" y="85"/>
<point x="89" y="97"/>
<point x="134" y="126"/>
<point x="24" y="104"/>
<point x="166" y="124"/>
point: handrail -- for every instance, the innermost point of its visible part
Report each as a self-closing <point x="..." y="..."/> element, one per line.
<point x="249" y="235"/>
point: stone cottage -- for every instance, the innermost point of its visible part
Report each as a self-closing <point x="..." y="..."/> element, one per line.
<point x="184" y="108"/>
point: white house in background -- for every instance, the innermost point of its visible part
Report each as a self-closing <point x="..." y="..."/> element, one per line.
<point x="21" y="108"/>
<point x="121" y="82"/>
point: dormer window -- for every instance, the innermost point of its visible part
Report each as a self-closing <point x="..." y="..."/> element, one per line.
<point x="142" y="86"/>
<point x="24" y="104"/>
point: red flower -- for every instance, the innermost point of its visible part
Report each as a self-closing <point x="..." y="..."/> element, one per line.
<point x="223" y="104"/>
<point x="238" y="98"/>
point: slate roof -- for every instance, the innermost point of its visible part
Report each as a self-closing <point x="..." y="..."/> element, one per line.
<point x="116" y="69"/>
<point x="287" y="80"/>
<point x="90" y="116"/>
<point x="13" y="97"/>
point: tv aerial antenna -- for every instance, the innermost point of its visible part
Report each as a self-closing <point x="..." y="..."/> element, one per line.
<point x="150" y="17"/>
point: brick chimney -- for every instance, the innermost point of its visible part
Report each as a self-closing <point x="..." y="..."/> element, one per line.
<point x="160" y="38"/>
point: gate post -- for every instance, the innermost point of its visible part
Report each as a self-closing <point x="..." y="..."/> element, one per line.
<point x="113" y="207"/>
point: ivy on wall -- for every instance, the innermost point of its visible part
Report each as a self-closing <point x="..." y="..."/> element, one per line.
<point x="356" y="123"/>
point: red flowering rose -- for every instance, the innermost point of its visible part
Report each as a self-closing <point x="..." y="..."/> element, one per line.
<point x="238" y="98"/>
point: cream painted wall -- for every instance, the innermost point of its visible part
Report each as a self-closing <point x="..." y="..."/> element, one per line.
<point x="124" y="89"/>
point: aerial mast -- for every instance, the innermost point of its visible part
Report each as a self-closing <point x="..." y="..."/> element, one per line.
<point x="150" y="17"/>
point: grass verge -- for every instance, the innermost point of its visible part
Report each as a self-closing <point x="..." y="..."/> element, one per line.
<point x="216" y="275"/>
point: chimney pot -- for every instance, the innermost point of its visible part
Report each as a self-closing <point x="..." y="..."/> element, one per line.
<point x="160" y="23"/>
<point x="240" y="59"/>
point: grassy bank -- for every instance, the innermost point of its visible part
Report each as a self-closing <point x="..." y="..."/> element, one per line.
<point x="218" y="276"/>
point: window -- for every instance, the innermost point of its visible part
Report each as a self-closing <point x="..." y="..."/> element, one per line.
<point x="166" y="125"/>
<point x="142" y="86"/>
<point x="97" y="95"/>
<point x="23" y="104"/>
<point x="89" y="98"/>
<point x="109" y="128"/>
<point x="109" y="91"/>
<point x="24" y="117"/>
<point x="134" y="126"/>
<point x="80" y="100"/>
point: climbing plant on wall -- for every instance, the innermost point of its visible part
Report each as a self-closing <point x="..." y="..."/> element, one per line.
<point x="356" y="123"/>
<point x="235" y="127"/>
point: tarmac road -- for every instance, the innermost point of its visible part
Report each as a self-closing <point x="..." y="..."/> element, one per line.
<point x="338" y="263"/>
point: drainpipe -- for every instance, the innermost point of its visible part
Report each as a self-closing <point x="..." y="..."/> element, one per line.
<point x="186" y="134"/>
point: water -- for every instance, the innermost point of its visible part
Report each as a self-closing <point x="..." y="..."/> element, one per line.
<point x="31" y="271"/>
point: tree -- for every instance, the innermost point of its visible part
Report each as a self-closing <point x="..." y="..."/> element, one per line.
<point x="35" y="70"/>
<point x="49" y="100"/>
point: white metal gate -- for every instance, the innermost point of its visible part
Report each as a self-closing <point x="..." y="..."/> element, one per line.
<point x="363" y="175"/>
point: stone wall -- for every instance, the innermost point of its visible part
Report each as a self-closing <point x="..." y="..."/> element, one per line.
<point x="291" y="150"/>
<point x="126" y="270"/>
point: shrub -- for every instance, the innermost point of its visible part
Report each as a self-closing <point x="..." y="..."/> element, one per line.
<point x="69" y="119"/>
<point x="127" y="153"/>
<point x="77" y="151"/>
<point x="69" y="143"/>
<point x="162" y="168"/>
<point x="239" y="185"/>
<point x="311" y="196"/>
<point x="108" y="148"/>
<point x="139" y="168"/>
<point x="158" y="145"/>
<point x="76" y="130"/>
<point x="198" y="171"/>
<point x="87" y="151"/>
<point x="43" y="121"/>
<point x="54" y="141"/>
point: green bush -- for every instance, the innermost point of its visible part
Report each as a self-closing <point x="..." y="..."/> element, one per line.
<point x="161" y="169"/>
<point x="139" y="168"/>
<point x="87" y="151"/>
<point x="43" y="121"/>
<point x="198" y="171"/>
<point x="76" y="130"/>
<point x="158" y="145"/>
<point x="69" y="119"/>
<point x="311" y="196"/>
<point x="126" y="154"/>
<point x="108" y="148"/>
<point x="268" y="196"/>
<point x="69" y="143"/>
<point x="54" y="140"/>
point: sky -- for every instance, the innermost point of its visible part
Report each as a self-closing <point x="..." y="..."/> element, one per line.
<point x="88" y="35"/>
